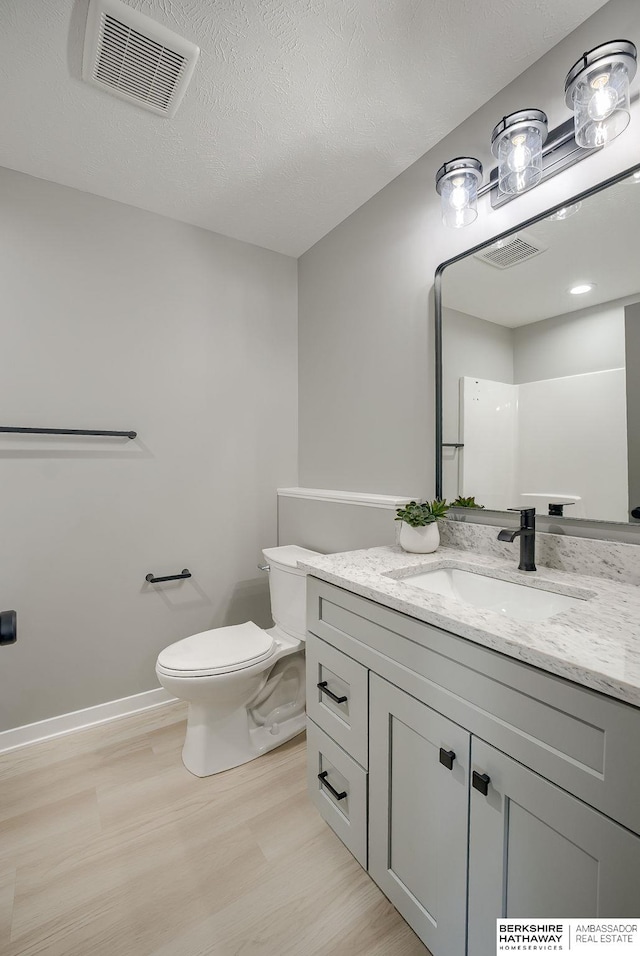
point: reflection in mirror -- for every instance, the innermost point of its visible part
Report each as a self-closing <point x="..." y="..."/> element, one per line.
<point x="541" y="364"/>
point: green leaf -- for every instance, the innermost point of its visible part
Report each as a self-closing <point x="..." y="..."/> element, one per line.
<point x="418" y="514"/>
<point x="461" y="502"/>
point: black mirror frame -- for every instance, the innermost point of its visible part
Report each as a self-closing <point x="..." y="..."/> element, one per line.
<point x="437" y="287"/>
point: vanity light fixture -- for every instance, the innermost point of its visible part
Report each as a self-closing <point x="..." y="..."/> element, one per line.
<point x="457" y="185"/>
<point x="517" y="143"/>
<point x="582" y="288"/>
<point x="597" y="90"/>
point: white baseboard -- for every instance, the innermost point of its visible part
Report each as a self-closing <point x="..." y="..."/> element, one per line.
<point x="80" y="719"/>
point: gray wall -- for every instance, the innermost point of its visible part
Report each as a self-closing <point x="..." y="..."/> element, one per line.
<point x="115" y="318"/>
<point x="471" y="347"/>
<point x="327" y="526"/>
<point x="632" y="335"/>
<point x="365" y="290"/>
<point x="590" y="340"/>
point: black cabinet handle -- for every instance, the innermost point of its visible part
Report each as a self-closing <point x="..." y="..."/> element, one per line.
<point x="322" y="777"/>
<point x="480" y="782"/>
<point x="322" y="686"/>
<point x="446" y="758"/>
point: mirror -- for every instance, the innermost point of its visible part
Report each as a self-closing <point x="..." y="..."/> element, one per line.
<point x="538" y="351"/>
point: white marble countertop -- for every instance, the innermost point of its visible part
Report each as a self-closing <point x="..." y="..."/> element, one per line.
<point x="596" y="643"/>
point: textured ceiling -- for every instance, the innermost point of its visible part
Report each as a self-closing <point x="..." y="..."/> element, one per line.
<point x="599" y="244"/>
<point x="299" y="110"/>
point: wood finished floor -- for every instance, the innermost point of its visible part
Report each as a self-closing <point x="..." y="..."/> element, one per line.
<point x="109" y="847"/>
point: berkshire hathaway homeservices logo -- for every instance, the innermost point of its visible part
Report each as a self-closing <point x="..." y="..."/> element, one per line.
<point x="586" y="938"/>
<point x="520" y="936"/>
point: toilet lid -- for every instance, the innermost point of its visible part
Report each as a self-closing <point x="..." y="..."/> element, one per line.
<point x="218" y="651"/>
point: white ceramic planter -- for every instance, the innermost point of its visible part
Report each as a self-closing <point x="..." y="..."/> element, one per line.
<point x="419" y="540"/>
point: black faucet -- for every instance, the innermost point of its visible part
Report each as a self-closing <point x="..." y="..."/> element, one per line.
<point x="556" y="508"/>
<point x="527" y="534"/>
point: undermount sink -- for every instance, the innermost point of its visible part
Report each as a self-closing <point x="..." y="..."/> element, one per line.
<point x="520" y="602"/>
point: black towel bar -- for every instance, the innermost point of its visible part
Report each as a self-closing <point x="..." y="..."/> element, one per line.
<point x="186" y="573"/>
<point x="65" y="431"/>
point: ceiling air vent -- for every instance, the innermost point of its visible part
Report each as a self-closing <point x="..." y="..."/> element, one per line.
<point x="510" y="252"/>
<point x="133" y="57"/>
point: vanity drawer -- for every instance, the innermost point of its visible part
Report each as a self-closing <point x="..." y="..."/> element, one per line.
<point x="338" y="788"/>
<point x="338" y="696"/>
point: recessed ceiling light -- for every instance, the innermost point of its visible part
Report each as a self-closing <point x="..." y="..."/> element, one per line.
<point x="564" y="213"/>
<point x="582" y="288"/>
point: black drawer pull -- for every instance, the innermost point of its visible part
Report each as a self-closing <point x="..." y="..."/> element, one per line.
<point x="322" y="686"/>
<point x="446" y="758"/>
<point x="480" y="782"/>
<point x="322" y="777"/>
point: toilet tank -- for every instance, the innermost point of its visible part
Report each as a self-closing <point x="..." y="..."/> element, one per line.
<point x="287" y="584"/>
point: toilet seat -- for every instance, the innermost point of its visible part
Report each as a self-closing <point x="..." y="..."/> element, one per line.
<point x="221" y="650"/>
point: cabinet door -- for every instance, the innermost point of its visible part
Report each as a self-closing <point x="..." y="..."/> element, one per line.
<point x="418" y="815"/>
<point x="536" y="851"/>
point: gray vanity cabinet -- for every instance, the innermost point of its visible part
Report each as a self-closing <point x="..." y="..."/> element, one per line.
<point x="418" y="815"/>
<point x="537" y="851"/>
<point x="494" y="789"/>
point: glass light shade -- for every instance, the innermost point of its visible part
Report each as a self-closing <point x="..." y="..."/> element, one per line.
<point x="459" y="198"/>
<point x="601" y="106"/>
<point x="597" y="90"/>
<point x="565" y="213"/>
<point x="457" y="183"/>
<point x="517" y="144"/>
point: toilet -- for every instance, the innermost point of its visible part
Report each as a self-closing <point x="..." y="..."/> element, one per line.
<point x="245" y="685"/>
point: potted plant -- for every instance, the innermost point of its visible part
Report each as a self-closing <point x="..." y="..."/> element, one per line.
<point x="419" y="531"/>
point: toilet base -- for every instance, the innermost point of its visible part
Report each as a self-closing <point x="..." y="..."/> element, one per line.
<point x="213" y="744"/>
<point x="238" y="715"/>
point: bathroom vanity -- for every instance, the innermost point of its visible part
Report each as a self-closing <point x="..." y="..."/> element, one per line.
<point x="477" y="766"/>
